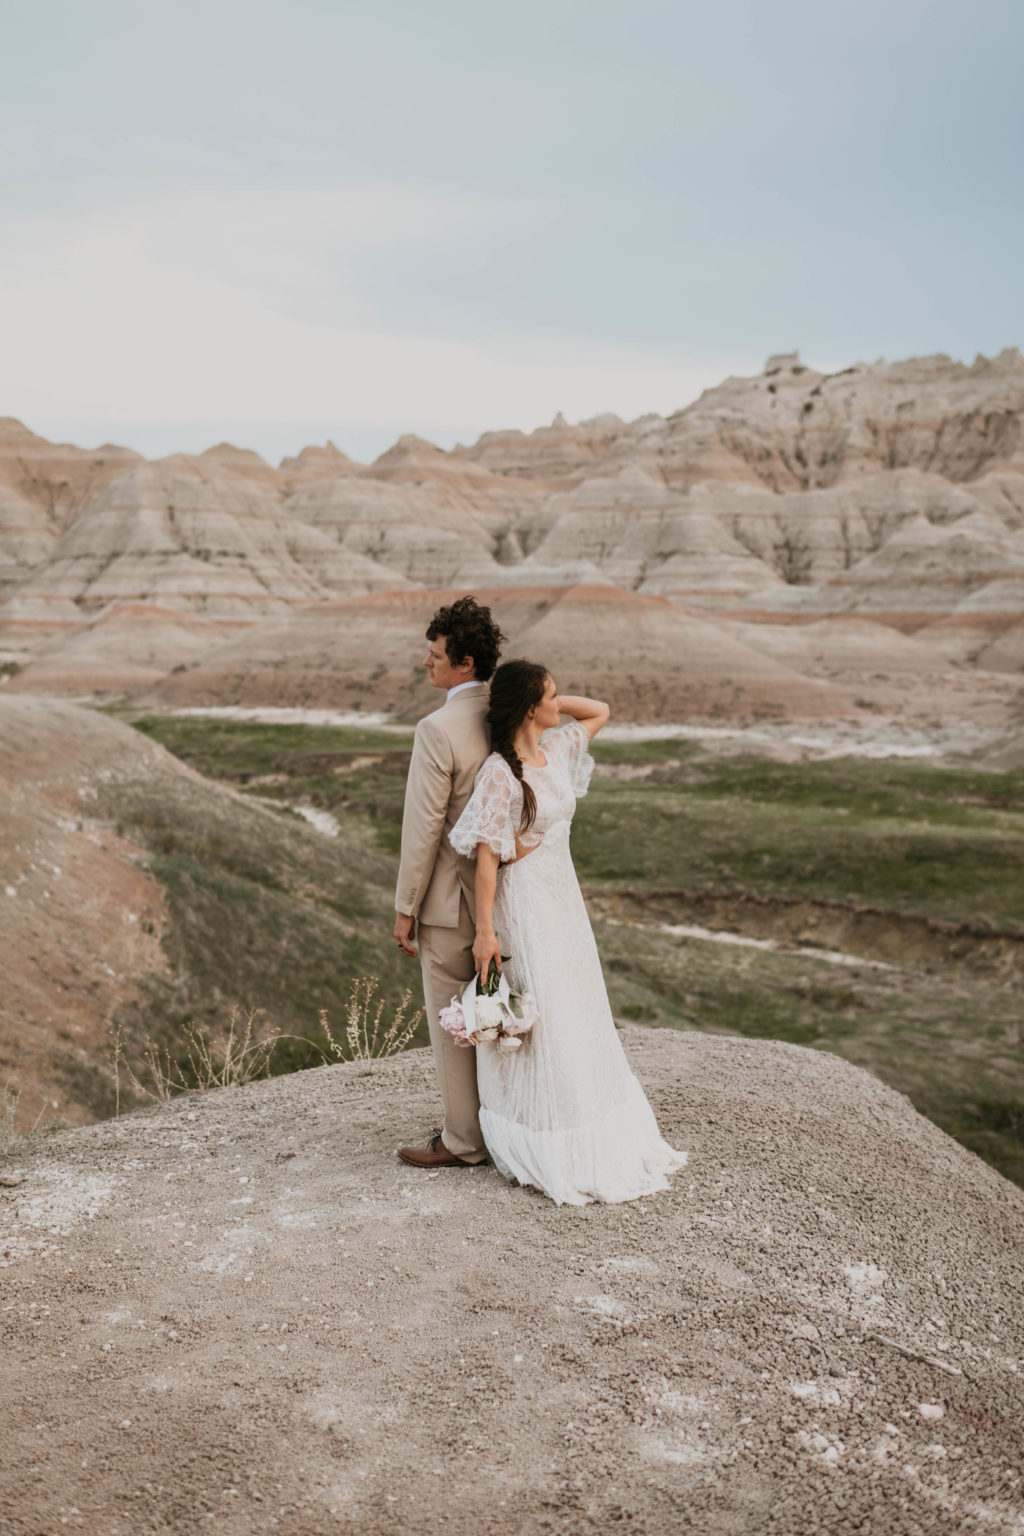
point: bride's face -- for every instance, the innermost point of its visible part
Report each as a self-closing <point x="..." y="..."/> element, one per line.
<point x="546" y="713"/>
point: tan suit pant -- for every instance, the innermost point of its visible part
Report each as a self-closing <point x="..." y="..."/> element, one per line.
<point x="446" y="957"/>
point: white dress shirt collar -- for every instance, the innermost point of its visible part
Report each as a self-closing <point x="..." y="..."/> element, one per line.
<point x="474" y="682"/>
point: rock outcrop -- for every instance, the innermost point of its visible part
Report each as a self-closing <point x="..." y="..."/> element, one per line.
<point x="241" y="1310"/>
<point x="184" y="535"/>
<point x="415" y="533"/>
<point x="892" y="490"/>
<point x="316" y="463"/>
<point x="26" y="538"/>
<point x="795" y="429"/>
<point x="43" y="486"/>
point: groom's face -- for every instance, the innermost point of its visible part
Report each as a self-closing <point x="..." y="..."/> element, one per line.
<point x="439" y="668"/>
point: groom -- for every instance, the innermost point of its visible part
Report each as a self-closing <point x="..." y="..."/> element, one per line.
<point x="435" y="884"/>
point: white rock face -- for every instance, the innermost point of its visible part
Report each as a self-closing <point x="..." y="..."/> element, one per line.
<point x="933" y="567"/>
<point x="561" y="454"/>
<point x="422" y="534"/>
<point x="792" y="428"/>
<point x="26" y="538"/>
<point x="42" y="487"/>
<point x="189" y="537"/>
<point x="894" y="491"/>
<point x="795" y="429"/>
<point x="1003" y="596"/>
<point x="1003" y="491"/>
<point x="634" y="531"/>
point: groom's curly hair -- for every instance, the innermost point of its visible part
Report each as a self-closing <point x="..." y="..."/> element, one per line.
<point x="468" y="631"/>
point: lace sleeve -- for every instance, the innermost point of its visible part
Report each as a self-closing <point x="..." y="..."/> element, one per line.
<point x="571" y="743"/>
<point x="491" y="815"/>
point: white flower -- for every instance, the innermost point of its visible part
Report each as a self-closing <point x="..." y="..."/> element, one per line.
<point x="490" y="1033"/>
<point x="509" y="1044"/>
<point x="489" y="1014"/>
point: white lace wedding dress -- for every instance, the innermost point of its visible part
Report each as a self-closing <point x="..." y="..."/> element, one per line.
<point x="565" y="1113"/>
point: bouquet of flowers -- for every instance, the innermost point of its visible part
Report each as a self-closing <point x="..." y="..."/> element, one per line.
<point x="490" y="1010"/>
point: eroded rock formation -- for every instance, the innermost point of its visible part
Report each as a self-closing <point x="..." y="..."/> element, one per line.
<point x="891" y="490"/>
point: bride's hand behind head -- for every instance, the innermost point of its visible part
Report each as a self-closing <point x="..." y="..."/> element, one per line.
<point x="592" y="714"/>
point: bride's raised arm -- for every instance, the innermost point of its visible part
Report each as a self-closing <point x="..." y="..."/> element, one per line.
<point x="590" y="713"/>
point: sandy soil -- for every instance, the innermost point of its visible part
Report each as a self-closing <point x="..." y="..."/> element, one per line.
<point x="241" y="1313"/>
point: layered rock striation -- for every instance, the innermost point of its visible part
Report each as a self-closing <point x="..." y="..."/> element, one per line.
<point x="647" y="657"/>
<point x="893" y="491"/>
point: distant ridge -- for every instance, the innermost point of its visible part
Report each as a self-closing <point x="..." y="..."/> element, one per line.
<point x="894" y="491"/>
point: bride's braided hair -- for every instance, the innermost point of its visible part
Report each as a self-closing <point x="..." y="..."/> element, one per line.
<point x="516" y="688"/>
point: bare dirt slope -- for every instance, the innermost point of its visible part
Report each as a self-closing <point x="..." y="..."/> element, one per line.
<point x="80" y="914"/>
<point x="647" y="657"/>
<point x="129" y="646"/>
<point x="241" y="1313"/>
<point x="135" y="894"/>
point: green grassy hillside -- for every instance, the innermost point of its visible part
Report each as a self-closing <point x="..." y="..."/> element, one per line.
<point x="264" y="913"/>
<point x="267" y="911"/>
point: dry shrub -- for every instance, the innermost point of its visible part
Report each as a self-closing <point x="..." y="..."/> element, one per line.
<point x="240" y="1056"/>
<point x="10" y="1135"/>
<point x="370" y="1034"/>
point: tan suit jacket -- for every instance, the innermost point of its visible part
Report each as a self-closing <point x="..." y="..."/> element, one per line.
<point x="449" y="747"/>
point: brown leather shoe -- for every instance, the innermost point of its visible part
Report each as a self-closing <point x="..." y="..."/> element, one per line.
<point x="434" y="1155"/>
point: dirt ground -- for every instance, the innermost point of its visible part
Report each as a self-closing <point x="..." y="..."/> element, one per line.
<point x="241" y="1313"/>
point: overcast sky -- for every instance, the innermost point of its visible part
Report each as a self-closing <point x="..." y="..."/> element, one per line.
<point x="279" y="222"/>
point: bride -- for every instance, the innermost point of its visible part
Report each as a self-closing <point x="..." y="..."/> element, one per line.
<point x="565" y="1113"/>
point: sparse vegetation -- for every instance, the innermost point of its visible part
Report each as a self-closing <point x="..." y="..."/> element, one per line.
<point x="945" y="842"/>
<point x="239" y="1055"/>
<point x="357" y="774"/>
<point x="241" y="750"/>
<point x="11" y="1134"/>
<point x="263" y="913"/>
<point x="370" y="1034"/>
<point x="953" y="1045"/>
<point x="266" y="912"/>
<point x="948" y="842"/>
<point x="245" y="1050"/>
